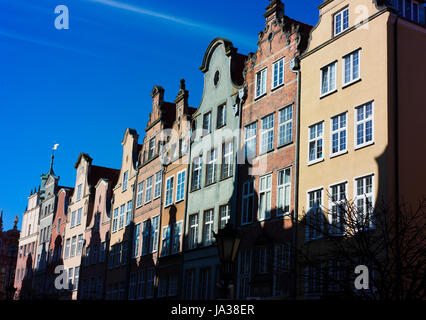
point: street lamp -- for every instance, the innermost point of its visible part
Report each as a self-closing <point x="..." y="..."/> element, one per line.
<point x="228" y="241"/>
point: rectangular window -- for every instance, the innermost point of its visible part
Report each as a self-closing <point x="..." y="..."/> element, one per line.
<point x="79" y="189"/>
<point x="267" y="134"/>
<point x="140" y="290"/>
<point x="79" y="212"/>
<point x="169" y="191"/>
<point x="314" y="216"/>
<point x="121" y="219"/>
<point x="248" y="202"/>
<point x="173" y="285"/>
<point x="338" y="134"/>
<point x="150" y="281"/>
<point x="148" y="192"/>
<point x="224" y="215"/>
<point x="158" y="181"/>
<point x="58" y="226"/>
<point x="244" y="273"/>
<point x="262" y="260"/>
<point x="284" y="190"/>
<point x="227" y="163"/>
<point x="180" y="187"/>
<point x="73" y="219"/>
<point x="278" y="76"/>
<point x="190" y="284"/>
<point x="316" y="142"/>
<point x="211" y="167"/>
<point x="351" y="67"/>
<point x="177" y="234"/>
<point x="151" y="151"/>
<point x="328" y="78"/>
<point x="193" y="231"/>
<point x="364" y="125"/>
<point x="204" y="284"/>
<point x="129" y="212"/>
<point x="125" y="179"/>
<point x="208" y="227"/>
<point x="341" y="21"/>
<point x="146" y="230"/>
<point x="67" y="248"/>
<point x="221" y="116"/>
<point x="250" y="134"/>
<point x="165" y="241"/>
<point x="207" y="123"/>
<point x="337" y="208"/>
<point x="364" y="202"/>
<point x="115" y="220"/>
<point x="162" y="286"/>
<point x="139" y="196"/>
<point x="154" y="233"/>
<point x="265" y="194"/>
<point x="261" y="82"/>
<point x="281" y="267"/>
<point x="136" y="240"/>
<point x="286" y="125"/>
<point x="73" y="246"/>
<point x="70" y="273"/>
<point x="196" y="173"/>
<point x="79" y="244"/>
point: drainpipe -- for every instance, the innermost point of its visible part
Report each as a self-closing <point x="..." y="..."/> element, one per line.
<point x="295" y="65"/>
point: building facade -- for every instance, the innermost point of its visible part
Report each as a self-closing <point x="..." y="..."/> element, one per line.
<point x="267" y="176"/>
<point x="9" y="241"/>
<point x="211" y="201"/>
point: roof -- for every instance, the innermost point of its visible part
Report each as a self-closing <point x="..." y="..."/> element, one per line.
<point x="97" y="173"/>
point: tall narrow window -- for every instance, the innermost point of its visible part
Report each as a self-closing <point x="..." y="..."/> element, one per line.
<point x="227" y="163"/>
<point x="265" y="194"/>
<point x="146" y="229"/>
<point x="338" y="134"/>
<point x="196" y="173"/>
<point x="165" y="241"/>
<point x="151" y="150"/>
<point x="314" y="216"/>
<point x="341" y="21"/>
<point x="58" y="226"/>
<point x="338" y="209"/>
<point x="121" y="219"/>
<point x="204" y="283"/>
<point x="125" y="179"/>
<point x="177" y="234"/>
<point x="286" y="125"/>
<point x="250" y="134"/>
<point x="136" y="241"/>
<point x="351" y="67"/>
<point x="73" y="245"/>
<point x="364" y="202"/>
<point x="211" y="167"/>
<point x="267" y="133"/>
<point x="79" y="212"/>
<point x="169" y="191"/>
<point x="129" y="212"/>
<point x="139" y="196"/>
<point x="208" y="227"/>
<point x="79" y="190"/>
<point x="244" y="273"/>
<point x="261" y="82"/>
<point x="154" y="233"/>
<point x="262" y="260"/>
<point x="278" y="76"/>
<point x="207" y="123"/>
<point x="284" y="189"/>
<point x="73" y="219"/>
<point x="224" y="215"/>
<point x="148" y="192"/>
<point x="180" y="186"/>
<point x="221" y="116"/>
<point x="190" y="284"/>
<point x="193" y="231"/>
<point x="158" y="181"/>
<point x="79" y="244"/>
<point x="328" y="78"/>
<point x="67" y="248"/>
<point x="248" y="202"/>
<point x="364" y="125"/>
<point x="115" y="220"/>
<point x="316" y="142"/>
<point x="281" y="267"/>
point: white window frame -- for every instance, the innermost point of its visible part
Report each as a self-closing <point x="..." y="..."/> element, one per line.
<point x="211" y="165"/>
<point x="247" y="197"/>
<point x="79" y="244"/>
<point x="125" y="180"/>
<point x="193" y="231"/>
<point x="315" y="235"/>
<point x="148" y="190"/>
<point x="208" y="227"/>
<point x="281" y="192"/>
<point x="221" y="110"/>
<point x="197" y="166"/>
<point x="363" y="121"/>
<point x="151" y="148"/>
<point x="337" y="202"/>
<point x="72" y="223"/>
<point x="121" y="217"/>
<point x="339" y="131"/>
<point x="165" y="240"/>
<point x="285" y="125"/>
<point x="365" y="195"/>
<point x="158" y="183"/>
<point x="176" y="237"/>
<point x="170" y="181"/>
<point x="316" y="140"/>
<point x="260" y="88"/>
<point x="351" y="68"/>
<point x="332" y="86"/>
<point x="267" y="190"/>
<point x="248" y="140"/>
<point x="342" y="28"/>
<point x="73" y="246"/>
<point x="146" y="237"/>
<point x="227" y="157"/>
<point x="79" y="192"/>
<point x="115" y="220"/>
<point x="155" y="233"/>
<point x="266" y="133"/>
<point x="136" y="240"/>
<point x="139" y="195"/>
<point x="180" y="185"/>
<point x="280" y="63"/>
<point x="226" y="208"/>
<point x="207" y="115"/>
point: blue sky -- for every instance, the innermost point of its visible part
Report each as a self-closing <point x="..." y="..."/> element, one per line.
<point x="82" y="87"/>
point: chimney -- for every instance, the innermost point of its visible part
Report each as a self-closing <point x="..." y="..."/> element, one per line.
<point x="275" y="9"/>
<point x="182" y="97"/>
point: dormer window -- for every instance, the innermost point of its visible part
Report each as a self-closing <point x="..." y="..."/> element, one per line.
<point x="341" y="21"/>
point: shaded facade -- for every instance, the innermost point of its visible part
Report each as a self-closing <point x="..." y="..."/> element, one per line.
<point x="9" y="241"/>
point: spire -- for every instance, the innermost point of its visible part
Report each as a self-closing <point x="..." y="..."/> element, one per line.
<point x="15" y="223"/>
<point x="1" y="220"/>
<point x="182" y="94"/>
